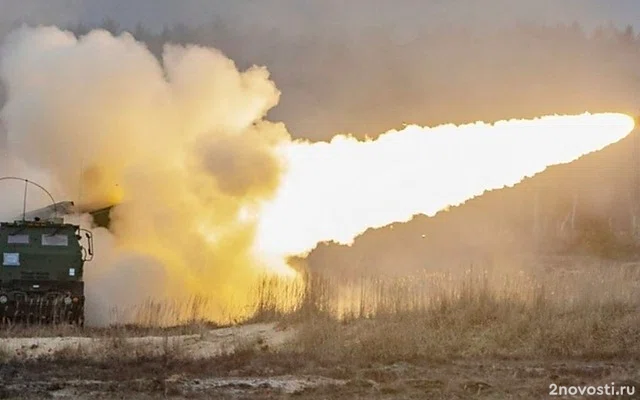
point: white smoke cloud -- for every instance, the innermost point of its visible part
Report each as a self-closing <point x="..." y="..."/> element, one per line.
<point x="211" y="195"/>
<point x="335" y="191"/>
<point x="180" y="144"/>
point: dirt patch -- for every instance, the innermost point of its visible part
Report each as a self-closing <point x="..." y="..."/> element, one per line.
<point x="285" y="384"/>
<point x="206" y="345"/>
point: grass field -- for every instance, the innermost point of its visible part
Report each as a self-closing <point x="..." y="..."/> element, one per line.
<point x="479" y="334"/>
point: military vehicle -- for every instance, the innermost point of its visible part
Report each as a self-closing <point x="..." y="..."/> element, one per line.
<point x="42" y="269"/>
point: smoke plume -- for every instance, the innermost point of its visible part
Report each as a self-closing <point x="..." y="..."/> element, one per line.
<point x="335" y="191"/>
<point x="180" y="146"/>
<point x="210" y="195"/>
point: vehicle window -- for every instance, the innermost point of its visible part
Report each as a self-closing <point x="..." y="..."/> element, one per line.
<point x="11" y="259"/>
<point x="18" y="239"/>
<point x="55" y="240"/>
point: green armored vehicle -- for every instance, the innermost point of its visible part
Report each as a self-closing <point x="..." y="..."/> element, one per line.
<point x="42" y="267"/>
<point x="41" y="272"/>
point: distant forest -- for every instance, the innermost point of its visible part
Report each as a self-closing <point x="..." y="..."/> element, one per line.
<point x="335" y="82"/>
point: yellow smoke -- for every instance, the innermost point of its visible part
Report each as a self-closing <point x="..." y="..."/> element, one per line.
<point x="335" y="191"/>
<point x="211" y="196"/>
<point x="180" y="144"/>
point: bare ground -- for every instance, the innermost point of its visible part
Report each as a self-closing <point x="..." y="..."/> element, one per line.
<point x="472" y="341"/>
<point x="259" y="361"/>
<point x="206" y="344"/>
<point x="472" y="379"/>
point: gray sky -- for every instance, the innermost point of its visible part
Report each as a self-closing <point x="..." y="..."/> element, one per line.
<point x="340" y="69"/>
<point x="295" y="15"/>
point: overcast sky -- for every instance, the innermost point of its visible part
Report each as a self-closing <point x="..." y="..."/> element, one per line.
<point x="372" y="84"/>
<point x="294" y="15"/>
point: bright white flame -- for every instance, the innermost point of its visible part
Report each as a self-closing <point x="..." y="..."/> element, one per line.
<point x="335" y="191"/>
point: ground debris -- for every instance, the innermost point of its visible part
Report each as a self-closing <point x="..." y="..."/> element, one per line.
<point x="287" y="384"/>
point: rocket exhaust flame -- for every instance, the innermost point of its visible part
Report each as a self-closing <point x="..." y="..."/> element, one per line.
<point x="212" y="196"/>
<point x="335" y="191"/>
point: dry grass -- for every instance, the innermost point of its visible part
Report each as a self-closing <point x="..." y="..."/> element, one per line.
<point x="5" y="354"/>
<point x="113" y="330"/>
<point x="485" y="328"/>
<point x="190" y="310"/>
<point x="590" y="313"/>
<point x="118" y="349"/>
<point x="474" y="335"/>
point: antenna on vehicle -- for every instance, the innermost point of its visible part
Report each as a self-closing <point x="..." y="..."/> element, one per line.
<point x="24" y="201"/>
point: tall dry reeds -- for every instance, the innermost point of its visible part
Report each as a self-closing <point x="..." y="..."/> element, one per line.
<point x="592" y="311"/>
